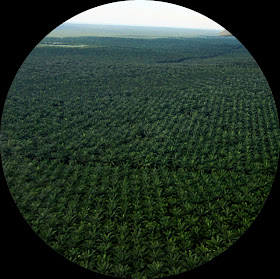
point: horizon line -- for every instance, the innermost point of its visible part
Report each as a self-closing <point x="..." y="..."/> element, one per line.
<point x="129" y="25"/>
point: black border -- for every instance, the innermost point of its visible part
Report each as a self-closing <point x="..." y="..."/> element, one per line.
<point x="24" y="25"/>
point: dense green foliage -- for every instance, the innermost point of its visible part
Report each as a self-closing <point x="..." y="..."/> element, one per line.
<point x="140" y="158"/>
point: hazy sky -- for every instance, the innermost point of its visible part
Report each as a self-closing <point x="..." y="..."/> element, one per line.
<point x="145" y="13"/>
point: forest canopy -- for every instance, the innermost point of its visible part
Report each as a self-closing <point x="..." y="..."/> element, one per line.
<point x="139" y="158"/>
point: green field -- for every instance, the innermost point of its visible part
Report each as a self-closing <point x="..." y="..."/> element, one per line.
<point x="140" y="158"/>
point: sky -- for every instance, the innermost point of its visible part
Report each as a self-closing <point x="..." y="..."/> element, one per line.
<point x="145" y="13"/>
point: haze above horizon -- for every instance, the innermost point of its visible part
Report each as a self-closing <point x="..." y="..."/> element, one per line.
<point x="145" y="13"/>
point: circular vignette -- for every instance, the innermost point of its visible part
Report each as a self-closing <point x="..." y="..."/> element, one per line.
<point x="245" y="248"/>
